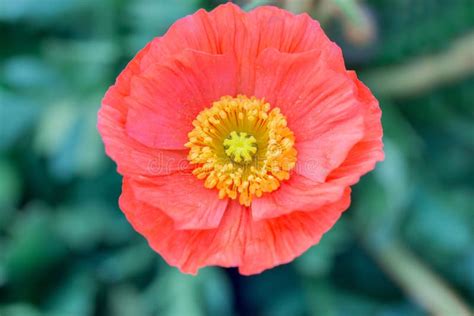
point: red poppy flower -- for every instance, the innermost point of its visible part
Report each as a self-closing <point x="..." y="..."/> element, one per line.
<point x="238" y="136"/>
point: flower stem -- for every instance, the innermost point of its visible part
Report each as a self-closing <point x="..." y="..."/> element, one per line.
<point x="424" y="73"/>
<point x="417" y="280"/>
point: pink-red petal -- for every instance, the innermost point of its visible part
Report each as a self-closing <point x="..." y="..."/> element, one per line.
<point x="297" y="194"/>
<point x="363" y="156"/>
<point x="251" y="245"/>
<point x="167" y="96"/>
<point x="319" y="103"/>
<point x="131" y="156"/>
<point x="183" y="198"/>
<point x="229" y="30"/>
<point x="188" y="250"/>
<point x="279" y="240"/>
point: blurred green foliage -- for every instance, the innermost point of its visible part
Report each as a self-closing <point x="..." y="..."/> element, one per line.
<point x="66" y="249"/>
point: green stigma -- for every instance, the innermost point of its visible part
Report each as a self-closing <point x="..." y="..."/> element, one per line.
<point x="239" y="146"/>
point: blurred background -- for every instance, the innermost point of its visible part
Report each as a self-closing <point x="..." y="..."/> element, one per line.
<point x="405" y="247"/>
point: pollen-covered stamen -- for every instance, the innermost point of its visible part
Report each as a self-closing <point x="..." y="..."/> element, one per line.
<point x="241" y="148"/>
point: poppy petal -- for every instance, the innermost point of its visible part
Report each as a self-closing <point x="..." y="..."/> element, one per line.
<point x="297" y="194"/>
<point x="188" y="250"/>
<point x="238" y="241"/>
<point x="167" y="96"/>
<point x="319" y="104"/>
<point x="183" y="198"/>
<point x="131" y="156"/>
<point x="363" y="156"/>
<point x="279" y="240"/>
<point x="286" y="32"/>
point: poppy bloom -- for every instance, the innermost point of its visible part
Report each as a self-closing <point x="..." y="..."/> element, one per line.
<point x="238" y="136"/>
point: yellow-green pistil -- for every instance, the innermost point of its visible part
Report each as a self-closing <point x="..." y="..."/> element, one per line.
<point x="240" y="147"/>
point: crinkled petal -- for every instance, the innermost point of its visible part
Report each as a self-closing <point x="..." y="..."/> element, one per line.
<point x="188" y="250"/>
<point x="225" y="30"/>
<point x="132" y="157"/>
<point x="326" y="178"/>
<point x="229" y="30"/>
<point x="319" y="103"/>
<point x="296" y="194"/>
<point x="279" y="240"/>
<point x="287" y="32"/>
<point x="238" y="241"/>
<point x="183" y="198"/>
<point x="166" y="97"/>
<point x="300" y="193"/>
<point x="366" y="153"/>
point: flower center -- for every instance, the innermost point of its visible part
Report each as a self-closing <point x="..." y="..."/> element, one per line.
<point x="241" y="148"/>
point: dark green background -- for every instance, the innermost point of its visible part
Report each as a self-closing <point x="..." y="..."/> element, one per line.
<point x="66" y="249"/>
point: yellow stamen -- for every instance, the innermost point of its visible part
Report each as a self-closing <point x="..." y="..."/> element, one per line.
<point x="241" y="148"/>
